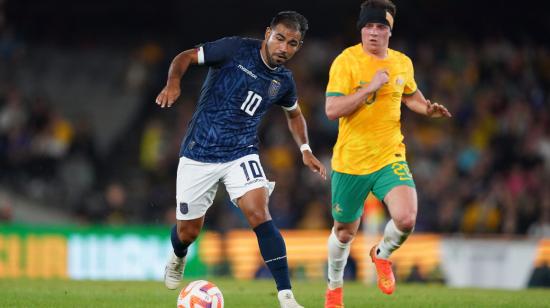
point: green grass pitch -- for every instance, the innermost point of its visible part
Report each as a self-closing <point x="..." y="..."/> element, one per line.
<point x="242" y="294"/>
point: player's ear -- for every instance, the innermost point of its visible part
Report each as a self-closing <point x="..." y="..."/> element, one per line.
<point x="267" y="33"/>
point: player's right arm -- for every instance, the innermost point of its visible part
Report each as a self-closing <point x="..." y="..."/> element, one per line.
<point x="341" y="97"/>
<point x="340" y="106"/>
<point x="209" y="54"/>
<point x="178" y="67"/>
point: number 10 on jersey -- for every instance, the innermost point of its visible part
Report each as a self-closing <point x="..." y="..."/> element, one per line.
<point x="251" y="103"/>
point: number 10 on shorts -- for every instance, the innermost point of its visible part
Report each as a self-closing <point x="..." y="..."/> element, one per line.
<point x="254" y="169"/>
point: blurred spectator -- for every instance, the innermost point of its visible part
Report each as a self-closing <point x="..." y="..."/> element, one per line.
<point x="415" y="276"/>
<point x="541" y="226"/>
<point x="116" y="204"/>
<point x="315" y="216"/>
<point x="540" y="277"/>
<point x="154" y="147"/>
<point x="12" y="115"/>
<point x="109" y="207"/>
<point x="6" y="209"/>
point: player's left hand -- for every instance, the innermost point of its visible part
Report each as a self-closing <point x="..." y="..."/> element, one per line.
<point x="314" y="164"/>
<point x="436" y="110"/>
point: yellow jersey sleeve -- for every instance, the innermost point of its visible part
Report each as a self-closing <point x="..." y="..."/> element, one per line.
<point x="340" y="79"/>
<point x="410" y="84"/>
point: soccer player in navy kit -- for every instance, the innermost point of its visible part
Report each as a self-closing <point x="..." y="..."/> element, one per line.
<point x="245" y="79"/>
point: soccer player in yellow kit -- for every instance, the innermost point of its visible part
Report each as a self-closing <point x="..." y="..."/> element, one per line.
<point x="367" y="84"/>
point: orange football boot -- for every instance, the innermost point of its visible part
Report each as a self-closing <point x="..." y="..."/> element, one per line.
<point x="386" y="280"/>
<point x="334" y="298"/>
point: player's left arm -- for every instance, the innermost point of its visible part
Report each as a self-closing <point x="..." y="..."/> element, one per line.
<point x="298" y="127"/>
<point x="419" y="104"/>
<point x="415" y="100"/>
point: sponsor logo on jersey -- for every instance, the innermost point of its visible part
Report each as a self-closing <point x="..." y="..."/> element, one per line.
<point x="274" y="88"/>
<point x="254" y="181"/>
<point x="247" y="71"/>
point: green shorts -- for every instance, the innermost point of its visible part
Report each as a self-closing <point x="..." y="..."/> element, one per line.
<point x="350" y="191"/>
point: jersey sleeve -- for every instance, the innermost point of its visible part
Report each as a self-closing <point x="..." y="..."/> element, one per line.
<point x="339" y="83"/>
<point x="290" y="100"/>
<point x="216" y="52"/>
<point x="410" y="83"/>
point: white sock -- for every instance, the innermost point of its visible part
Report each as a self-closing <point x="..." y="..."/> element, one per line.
<point x="393" y="238"/>
<point x="338" y="253"/>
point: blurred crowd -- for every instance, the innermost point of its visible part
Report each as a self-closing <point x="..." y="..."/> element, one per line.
<point x="481" y="172"/>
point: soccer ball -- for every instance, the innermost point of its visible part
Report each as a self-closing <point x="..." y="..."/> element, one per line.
<point x="200" y="294"/>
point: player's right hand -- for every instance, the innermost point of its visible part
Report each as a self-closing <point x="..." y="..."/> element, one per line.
<point x="381" y="77"/>
<point x="168" y="95"/>
<point x="314" y="164"/>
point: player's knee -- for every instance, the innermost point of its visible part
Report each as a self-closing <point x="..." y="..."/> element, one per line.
<point x="344" y="235"/>
<point x="257" y="217"/>
<point x="406" y="223"/>
<point x="188" y="234"/>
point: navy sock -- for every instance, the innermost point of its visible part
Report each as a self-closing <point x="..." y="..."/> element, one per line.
<point x="180" y="248"/>
<point x="273" y="249"/>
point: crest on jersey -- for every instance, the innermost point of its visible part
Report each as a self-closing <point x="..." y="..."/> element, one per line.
<point x="274" y="88"/>
<point x="399" y="80"/>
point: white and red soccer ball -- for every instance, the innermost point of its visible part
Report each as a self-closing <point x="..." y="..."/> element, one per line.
<point x="200" y="294"/>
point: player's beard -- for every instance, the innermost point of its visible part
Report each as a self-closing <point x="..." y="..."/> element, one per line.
<point x="271" y="59"/>
<point x="268" y="57"/>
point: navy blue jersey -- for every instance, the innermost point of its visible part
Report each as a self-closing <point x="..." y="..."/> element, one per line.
<point x="237" y="92"/>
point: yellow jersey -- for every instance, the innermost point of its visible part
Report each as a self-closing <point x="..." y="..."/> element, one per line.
<point x="370" y="138"/>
